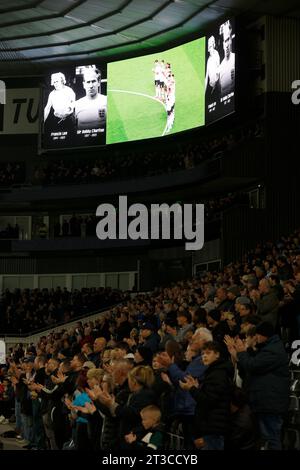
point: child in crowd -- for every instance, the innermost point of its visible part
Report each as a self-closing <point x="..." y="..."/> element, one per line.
<point x="150" y="435"/>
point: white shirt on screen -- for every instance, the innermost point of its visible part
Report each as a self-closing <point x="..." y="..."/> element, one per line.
<point x="62" y="101"/>
<point x="227" y="74"/>
<point x="157" y="72"/>
<point x="213" y="63"/>
<point x="162" y="74"/>
<point x="91" y="113"/>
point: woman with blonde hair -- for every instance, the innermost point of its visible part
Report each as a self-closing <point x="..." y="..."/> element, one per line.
<point x="139" y="377"/>
<point x="140" y="381"/>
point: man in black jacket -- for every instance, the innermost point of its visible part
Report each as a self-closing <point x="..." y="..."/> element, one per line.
<point x="268" y="373"/>
<point x="46" y="402"/>
<point x="212" y="413"/>
<point x="38" y="426"/>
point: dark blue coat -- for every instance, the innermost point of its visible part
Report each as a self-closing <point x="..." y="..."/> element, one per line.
<point x="268" y="377"/>
<point x="184" y="404"/>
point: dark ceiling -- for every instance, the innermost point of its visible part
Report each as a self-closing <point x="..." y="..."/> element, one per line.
<point x="35" y="33"/>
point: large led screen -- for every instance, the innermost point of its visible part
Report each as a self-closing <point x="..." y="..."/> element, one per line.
<point x="157" y="94"/>
<point x="220" y="72"/>
<point x="154" y="95"/>
<point x="74" y="107"/>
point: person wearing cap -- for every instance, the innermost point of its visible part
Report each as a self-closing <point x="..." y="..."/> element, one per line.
<point x="150" y="339"/>
<point x="268" y="381"/>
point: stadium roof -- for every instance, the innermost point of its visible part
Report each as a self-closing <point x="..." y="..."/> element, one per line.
<point x="43" y="32"/>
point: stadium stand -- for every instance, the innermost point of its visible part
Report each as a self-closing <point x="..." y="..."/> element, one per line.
<point x="119" y="334"/>
<point x="146" y="347"/>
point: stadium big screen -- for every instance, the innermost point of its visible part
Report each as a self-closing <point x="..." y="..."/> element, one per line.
<point x="149" y="96"/>
<point x="220" y="72"/>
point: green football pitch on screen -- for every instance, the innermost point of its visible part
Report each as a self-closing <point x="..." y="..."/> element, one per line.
<point x="134" y="113"/>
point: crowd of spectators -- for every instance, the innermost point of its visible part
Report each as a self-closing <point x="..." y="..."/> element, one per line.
<point x="204" y="354"/>
<point x="11" y="174"/>
<point x="116" y="166"/>
<point x="27" y="310"/>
